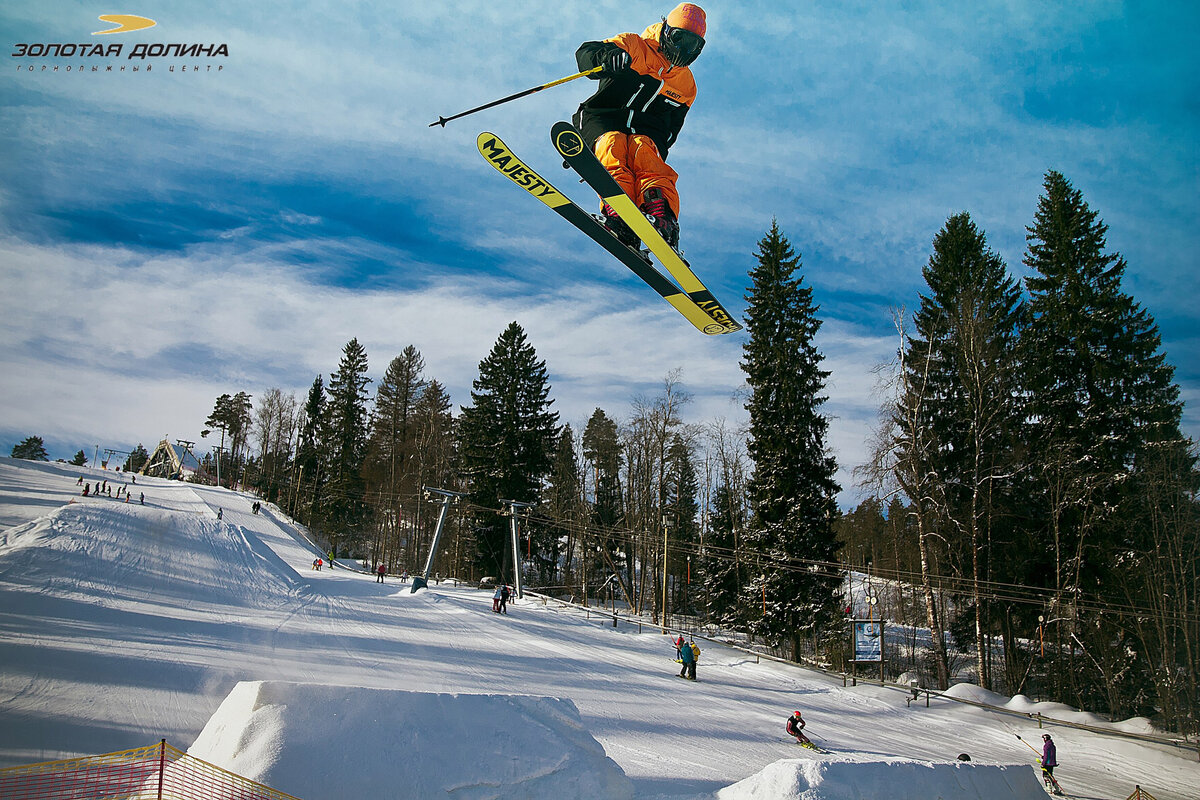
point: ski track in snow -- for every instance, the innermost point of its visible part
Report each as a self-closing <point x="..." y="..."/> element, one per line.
<point x="122" y="624"/>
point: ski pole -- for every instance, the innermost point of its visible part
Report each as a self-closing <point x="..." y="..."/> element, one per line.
<point x="1027" y="744"/>
<point x="443" y="120"/>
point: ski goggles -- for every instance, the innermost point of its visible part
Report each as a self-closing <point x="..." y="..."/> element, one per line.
<point x="683" y="46"/>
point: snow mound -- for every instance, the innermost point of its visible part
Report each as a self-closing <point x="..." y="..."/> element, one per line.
<point x="841" y="778"/>
<point x="111" y="551"/>
<point x="329" y="742"/>
<point x="1023" y="705"/>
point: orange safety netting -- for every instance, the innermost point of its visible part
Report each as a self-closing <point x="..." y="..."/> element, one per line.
<point x="157" y="772"/>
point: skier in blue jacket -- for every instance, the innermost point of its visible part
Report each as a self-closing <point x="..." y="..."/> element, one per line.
<point x="688" y="657"/>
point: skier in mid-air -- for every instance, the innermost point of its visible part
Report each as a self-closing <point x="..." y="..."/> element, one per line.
<point x="635" y="115"/>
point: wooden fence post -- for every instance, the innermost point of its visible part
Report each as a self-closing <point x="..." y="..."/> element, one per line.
<point x="162" y="765"/>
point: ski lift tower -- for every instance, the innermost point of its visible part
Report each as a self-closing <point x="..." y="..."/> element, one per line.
<point x="515" y="509"/>
<point x="109" y="453"/>
<point x="448" y="499"/>
<point x="186" y="446"/>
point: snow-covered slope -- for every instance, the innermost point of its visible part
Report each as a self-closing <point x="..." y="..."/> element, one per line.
<point x="838" y="778"/>
<point x="289" y="735"/>
<point x="122" y="623"/>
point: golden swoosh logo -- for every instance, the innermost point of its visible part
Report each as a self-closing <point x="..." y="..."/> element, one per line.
<point x="125" y="23"/>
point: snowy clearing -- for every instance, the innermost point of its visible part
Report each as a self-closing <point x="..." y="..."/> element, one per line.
<point x="121" y="624"/>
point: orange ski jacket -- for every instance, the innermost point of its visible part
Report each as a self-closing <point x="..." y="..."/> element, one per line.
<point x="652" y="97"/>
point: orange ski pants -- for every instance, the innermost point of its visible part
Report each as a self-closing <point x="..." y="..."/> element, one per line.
<point x="633" y="161"/>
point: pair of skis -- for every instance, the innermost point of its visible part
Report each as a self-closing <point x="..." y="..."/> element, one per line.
<point x="690" y="297"/>
<point x="806" y="742"/>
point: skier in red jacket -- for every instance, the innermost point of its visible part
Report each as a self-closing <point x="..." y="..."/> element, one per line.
<point x="795" y="726"/>
<point x="645" y="91"/>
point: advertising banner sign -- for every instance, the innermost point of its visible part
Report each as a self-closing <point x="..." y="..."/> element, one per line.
<point x="868" y="640"/>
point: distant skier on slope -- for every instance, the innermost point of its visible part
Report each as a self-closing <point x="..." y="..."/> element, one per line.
<point x="795" y="727"/>
<point x="687" y="654"/>
<point x="646" y="89"/>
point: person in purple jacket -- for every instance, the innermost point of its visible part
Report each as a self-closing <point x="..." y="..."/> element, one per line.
<point x="1050" y="761"/>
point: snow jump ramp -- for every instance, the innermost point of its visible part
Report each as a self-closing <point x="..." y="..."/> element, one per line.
<point x="847" y="778"/>
<point x="323" y="742"/>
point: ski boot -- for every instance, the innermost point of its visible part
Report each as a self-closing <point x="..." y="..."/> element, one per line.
<point x="618" y="227"/>
<point x="655" y="206"/>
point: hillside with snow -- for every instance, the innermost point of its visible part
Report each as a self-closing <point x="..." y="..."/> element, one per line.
<point x="123" y="623"/>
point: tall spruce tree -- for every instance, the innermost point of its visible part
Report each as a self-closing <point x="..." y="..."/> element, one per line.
<point x="720" y="567"/>
<point x="1103" y="405"/>
<point x="602" y="449"/>
<point x="137" y="458"/>
<point x="507" y="439"/>
<point x="563" y="503"/>
<point x="680" y="506"/>
<point x="392" y="446"/>
<point x="603" y="452"/>
<point x="346" y="443"/>
<point x="966" y="338"/>
<point x="310" y="466"/>
<point x="436" y="465"/>
<point x="792" y="491"/>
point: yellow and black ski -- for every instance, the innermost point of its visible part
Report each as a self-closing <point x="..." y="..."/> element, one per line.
<point x="497" y="153"/>
<point x="570" y="145"/>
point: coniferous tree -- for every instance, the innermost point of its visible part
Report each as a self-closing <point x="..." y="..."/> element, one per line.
<point x="310" y="466"/>
<point x="1103" y="406"/>
<point x="31" y="448"/>
<point x="602" y="450"/>
<point x="230" y="415"/>
<point x="81" y="458"/>
<point x="1158" y="570"/>
<point x="436" y="465"/>
<point x="137" y="459"/>
<point x="346" y="443"/>
<point x="563" y="504"/>
<point x="392" y="425"/>
<point x="720" y="567"/>
<point x="681" y="508"/>
<point x="391" y="459"/>
<point x="238" y="415"/>
<point x="792" y="491"/>
<point x="864" y="534"/>
<point x="966" y="343"/>
<point x="507" y="437"/>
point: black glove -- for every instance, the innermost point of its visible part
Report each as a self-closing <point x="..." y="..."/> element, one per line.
<point x="616" y="61"/>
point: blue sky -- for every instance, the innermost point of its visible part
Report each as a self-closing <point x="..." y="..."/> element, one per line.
<point x="166" y="237"/>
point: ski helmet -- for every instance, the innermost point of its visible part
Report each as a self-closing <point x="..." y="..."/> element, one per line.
<point x="682" y="36"/>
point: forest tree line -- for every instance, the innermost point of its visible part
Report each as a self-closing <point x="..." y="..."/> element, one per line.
<point x="1029" y="481"/>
